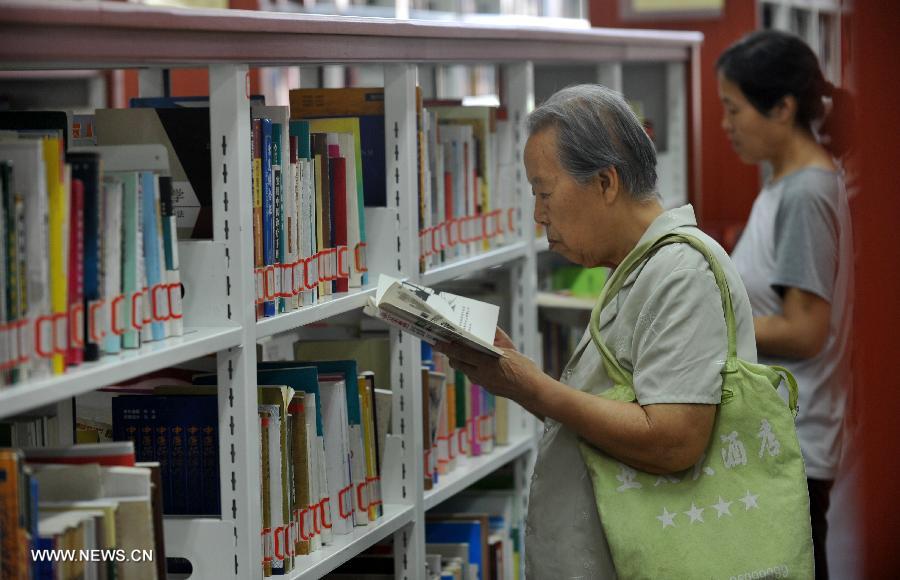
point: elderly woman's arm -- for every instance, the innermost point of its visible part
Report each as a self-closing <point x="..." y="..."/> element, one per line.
<point x="663" y="438"/>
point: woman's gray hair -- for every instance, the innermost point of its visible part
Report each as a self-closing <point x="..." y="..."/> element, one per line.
<point x="596" y="129"/>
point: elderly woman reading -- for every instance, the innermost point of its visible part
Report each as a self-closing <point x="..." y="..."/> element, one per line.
<point x="592" y="169"/>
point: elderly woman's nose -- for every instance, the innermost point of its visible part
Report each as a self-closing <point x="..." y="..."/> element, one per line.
<point x="540" y="212"/>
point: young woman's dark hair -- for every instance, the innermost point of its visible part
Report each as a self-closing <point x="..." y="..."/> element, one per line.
<point x="768" y="65"/>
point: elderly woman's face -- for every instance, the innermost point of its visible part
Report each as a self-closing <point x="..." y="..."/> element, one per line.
<point x="562" y="205"/>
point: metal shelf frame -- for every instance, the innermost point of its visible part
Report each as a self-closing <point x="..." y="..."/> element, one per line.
<point x="67" y="36"/>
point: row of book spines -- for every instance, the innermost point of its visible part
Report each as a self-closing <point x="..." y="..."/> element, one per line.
<point x="327" y="265"/>
<point x="308" y="523"/>
<point x="81" y="325"/>
<point x="472" y="440"/>
<point x="465" y="230"/>
<point x="272" y="241"/>
<point x="357" y="503"/>
<point x="335" y="271"/>
<point x="60" y="334"/>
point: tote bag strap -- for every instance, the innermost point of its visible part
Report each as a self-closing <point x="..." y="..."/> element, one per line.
<point x="621" y="376"/>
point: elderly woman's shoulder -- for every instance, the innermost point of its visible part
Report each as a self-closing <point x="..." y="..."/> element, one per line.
<point x="684" y="260"/>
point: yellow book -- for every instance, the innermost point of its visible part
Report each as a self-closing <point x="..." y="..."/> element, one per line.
<point x="301" y="482"/>
<point x="268" y="545"/>
<point x="258" y="261"/>
<point x="281" y="396"/>
<point x="58" y="233"/>
<point x="369" y="444"/>
<point x="453" y="442"/>
<point x="349" y="126"/>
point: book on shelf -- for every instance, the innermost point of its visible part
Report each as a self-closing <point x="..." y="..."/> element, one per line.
<point x="78" y="254"/>
<point x="308" y="218"/>
<point x="77" y="497"/>
<point x="179" y="430"/>
<point x="185" y="133"/>
<point x="434" y="316"/>
<point x="122" y="500"/>
<point x="27" y="181"/>
<point x="346" y="369"/>
<point x="470" y="529"/>
<point x="15" y="512"/>
<point x="365" y="104"/>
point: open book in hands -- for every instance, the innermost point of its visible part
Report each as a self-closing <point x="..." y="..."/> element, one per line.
<point x="435" y="316"/>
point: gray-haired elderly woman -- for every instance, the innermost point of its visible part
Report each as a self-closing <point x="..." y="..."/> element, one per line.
<point x="593" y="172"/>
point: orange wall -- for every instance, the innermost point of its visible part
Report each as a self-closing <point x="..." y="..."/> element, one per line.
<point x="728" y="185"/>
<point x="185" y="83"/>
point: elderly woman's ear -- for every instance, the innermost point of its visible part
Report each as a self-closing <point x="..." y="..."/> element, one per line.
<point x="608" y="184"/>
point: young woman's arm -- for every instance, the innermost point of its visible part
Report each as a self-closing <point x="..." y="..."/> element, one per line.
<point x="800" y="332"/>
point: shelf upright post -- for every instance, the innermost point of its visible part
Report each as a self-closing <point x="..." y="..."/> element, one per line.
<point x="239" y="456"/>
<point x="676" y="95"/>
<point x="609" y="74"/>
<point x="152" y="82"/>
<point x="519" y="89"/>
<point x="405" y="485"/>
<point x="519" y="79"/>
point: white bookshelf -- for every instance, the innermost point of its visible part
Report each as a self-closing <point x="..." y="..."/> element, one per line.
<point x="818" y="22"/>
<point x="471" y="469"/>
<point x="344" y="548"/>
<point x="561" y="301"/>
<point x="153" y="356"/>
<point x="327" y="307"/>
<point x="219" y="309"/>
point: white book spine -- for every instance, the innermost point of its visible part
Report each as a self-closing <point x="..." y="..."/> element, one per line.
<point x="112" y="261"/>
<point x="348" y="150"/>
<point x="289" y="198"/>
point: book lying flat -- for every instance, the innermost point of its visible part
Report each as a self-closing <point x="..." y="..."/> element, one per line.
<point x="435" y="316"/>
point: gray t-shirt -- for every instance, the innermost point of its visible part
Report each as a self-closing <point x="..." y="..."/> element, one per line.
<point x="667" y="327"/>
<point x="799" y="236"/>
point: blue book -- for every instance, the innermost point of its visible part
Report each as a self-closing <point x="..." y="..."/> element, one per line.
<point x="345" y="368"/>
<point x="371" y="137"/>
<point x="32" y="523"/>
<point x="268" y="206"/>
<point x="86" y="167"/>
<point x="300" y="129"/>
<point x="279" y="238"/>
<point x="181" y="433"/>
<point x="153" y="262"/>
<point x="181" y="102"/>
<point x="459" y="532"/>
<point x="136" y="418"/>
<point x="43" y="569"/>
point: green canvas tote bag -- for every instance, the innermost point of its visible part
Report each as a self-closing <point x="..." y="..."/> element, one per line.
<point x="743" y="511"/>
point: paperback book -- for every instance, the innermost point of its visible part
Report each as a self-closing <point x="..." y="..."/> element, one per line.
<point x="434" y="316"/>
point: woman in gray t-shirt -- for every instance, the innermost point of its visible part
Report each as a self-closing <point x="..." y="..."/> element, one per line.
<point x="795" y="255"/>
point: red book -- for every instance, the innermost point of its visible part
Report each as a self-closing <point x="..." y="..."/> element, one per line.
<point x="118" y="453"/>
<point x="75" y="352"/>
<point x="339" y="207"/>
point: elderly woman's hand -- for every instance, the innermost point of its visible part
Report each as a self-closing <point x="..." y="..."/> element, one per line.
<point x="509" y="376"/>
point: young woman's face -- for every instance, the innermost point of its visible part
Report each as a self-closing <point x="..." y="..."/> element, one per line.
<point x="752" y="134"/>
